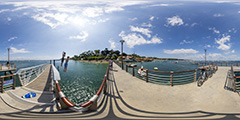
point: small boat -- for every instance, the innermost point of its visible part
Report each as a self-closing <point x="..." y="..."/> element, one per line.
<point x="175" y="62"/>
<point x="133" y="65"/>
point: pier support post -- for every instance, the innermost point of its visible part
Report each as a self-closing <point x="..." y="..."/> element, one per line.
<point x="133" y="73"/>
<point x="146" y="75"/>
<point x="2" y="80"/>
<point x="195" y="75"/>
<point x="171" y="78"/>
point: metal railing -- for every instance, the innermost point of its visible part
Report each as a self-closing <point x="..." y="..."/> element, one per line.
<point x="4" y="66"/>
<point x="6" y="84"/>
<point x="168" y="77"/>
<point x="26" y="75"/>
<point x="236" y="79"/>
<point x="91" y="104"/>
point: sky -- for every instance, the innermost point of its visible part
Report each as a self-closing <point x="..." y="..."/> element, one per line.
<point x="42" y="30"/>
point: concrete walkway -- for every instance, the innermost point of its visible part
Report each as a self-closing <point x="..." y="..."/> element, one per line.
<point x="43" y="102"/>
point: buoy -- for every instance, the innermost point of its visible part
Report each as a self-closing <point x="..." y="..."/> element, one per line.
<point x="155" y="68"/>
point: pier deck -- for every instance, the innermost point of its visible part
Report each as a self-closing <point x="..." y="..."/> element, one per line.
<point x="131" y="98"/>
<point x="43" y="102"/>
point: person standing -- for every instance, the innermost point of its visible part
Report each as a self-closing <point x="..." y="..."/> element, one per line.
<point x="66" y="64"/>
<point x="63" y="55"/>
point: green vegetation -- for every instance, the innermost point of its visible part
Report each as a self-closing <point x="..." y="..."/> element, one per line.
<point x="114" y="54"/>
<point x="98" y="55"/>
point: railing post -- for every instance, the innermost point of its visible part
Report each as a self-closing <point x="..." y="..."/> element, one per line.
<point x="147" y="75"/>
<point x="54" y="62"/>
<point x="195" y="75"/>
<point x="133" y="73"/>
<point x="14" y="83"/>
<point x="171" y="78"/>
<point x="2" y="80"/>
<point x="235" y="88"/>
<point x="126" y="68"/>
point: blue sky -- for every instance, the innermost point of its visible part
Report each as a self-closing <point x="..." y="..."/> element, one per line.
<point x="175" y="29"/>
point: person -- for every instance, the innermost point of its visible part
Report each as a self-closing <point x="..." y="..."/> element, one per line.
<point x="66" y="64"/>
<point x="63" y="55"/>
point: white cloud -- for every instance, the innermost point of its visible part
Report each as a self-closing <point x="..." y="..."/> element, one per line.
<point x="93" y="11"/>
<point x="133" y="19"/>
<point x="103" y="20"/>
<point x="151" y="18"/>
<point x="180" y="51"/>
<point x="4" y="10"/>
<point x="223" y="45"/>
<point x="207" y="46"/>
<point x="163" y="5"/>
<point x="146" y="25"/>
<point x="83" y="35"/>
<point x="175" y="21"/>
<point x="9" y="19"/>
<point x="186" y="42"/>
<point x="12" y="38"/>
<point x="193" y="24"/>
<point x="141" y="30"/>
<point x="230" y="52"/>
<point x="113" y="9"/>
<point x="15" y="50"/>
<point x="134" y="39"/>
<point x="112" y="44"/>
<point x="50" y="19"/>
<point x="218" y="15"/>
<point x="214" y="30"/>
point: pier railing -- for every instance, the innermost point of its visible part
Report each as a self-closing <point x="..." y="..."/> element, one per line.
<point x="7" y="82"/>
<point x="168" y="77"/>
<point x="91" y="104"/>
<point x="26" y="75"/>
<point x="236" y="79"/>
<point x="4" y="66"/>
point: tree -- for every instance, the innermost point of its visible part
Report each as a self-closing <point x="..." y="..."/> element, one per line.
<point x="97" y="52"/>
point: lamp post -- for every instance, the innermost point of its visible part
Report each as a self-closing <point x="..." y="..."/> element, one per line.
<point x="122" y="41"/>
<point x="205" y="56"/>
<point x="8" y="55"/>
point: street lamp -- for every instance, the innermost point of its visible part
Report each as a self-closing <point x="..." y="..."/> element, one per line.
<point x="8" y="55"/>
<point x="205" y="56"/>
<point x="122" y="41"/>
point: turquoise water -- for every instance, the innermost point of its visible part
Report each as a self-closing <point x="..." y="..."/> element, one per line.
<point x="82" y="80"/>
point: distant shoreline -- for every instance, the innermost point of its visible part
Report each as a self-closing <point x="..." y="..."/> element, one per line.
<point x="94" y="61"/>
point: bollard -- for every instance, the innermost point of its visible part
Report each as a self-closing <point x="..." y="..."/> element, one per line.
<point x="126" y="68"/>
<point x="195" y="75"/>
<point x="133" y="71"/>
<point x="171" y="78"/>
<point x="147" y="75"/>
